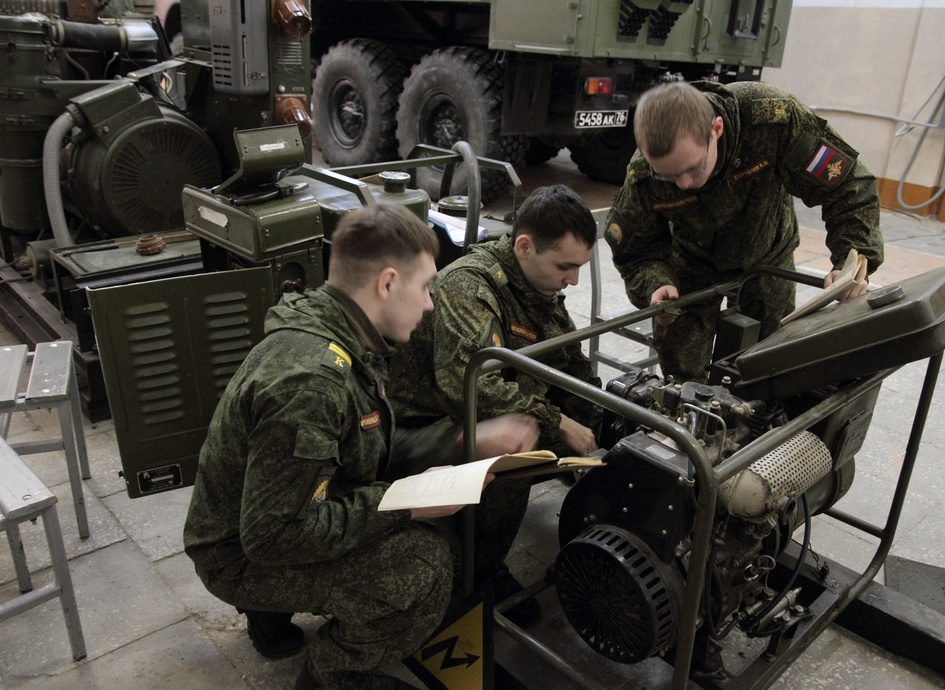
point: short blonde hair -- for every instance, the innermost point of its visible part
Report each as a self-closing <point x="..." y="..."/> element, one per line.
<point x="668" y="112"/>
<point x="372" y="238"/>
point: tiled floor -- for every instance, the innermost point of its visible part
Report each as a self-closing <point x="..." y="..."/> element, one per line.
<point x="150" y="624"/>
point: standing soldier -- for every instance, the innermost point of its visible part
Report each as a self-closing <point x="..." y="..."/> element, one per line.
<point x="709" y="195"/>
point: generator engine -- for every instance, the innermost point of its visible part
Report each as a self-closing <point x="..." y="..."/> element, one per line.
<point x="48" y="63"/>
<point x="102" y="127"/>
<point x="625" y="528"/>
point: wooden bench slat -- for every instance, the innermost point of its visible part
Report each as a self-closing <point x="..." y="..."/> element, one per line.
<point x="21" y="491"/>
<point x="49" y="377"/>
<point x="12" y="363"/>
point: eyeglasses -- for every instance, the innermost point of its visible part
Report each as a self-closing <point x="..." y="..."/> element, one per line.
<point x="693" y="171"/>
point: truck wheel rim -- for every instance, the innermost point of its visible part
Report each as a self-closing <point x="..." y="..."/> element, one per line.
<point x="347" y="113"/>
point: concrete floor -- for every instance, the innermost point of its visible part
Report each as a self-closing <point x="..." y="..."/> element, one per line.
<point x="150" y="624"/>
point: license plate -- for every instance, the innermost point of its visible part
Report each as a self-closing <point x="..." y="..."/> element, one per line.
<point x="584" y="119"/>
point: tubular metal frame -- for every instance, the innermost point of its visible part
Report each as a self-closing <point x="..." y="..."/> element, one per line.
<point x="825" y="609"/>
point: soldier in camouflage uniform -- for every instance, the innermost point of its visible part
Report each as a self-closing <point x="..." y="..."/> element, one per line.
<point x="709" y="195"/>
<point x="504" y="293"/>
<point x="284" y="514"/>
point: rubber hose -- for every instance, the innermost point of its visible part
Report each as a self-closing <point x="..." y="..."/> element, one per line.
<point x="52" y="146"/>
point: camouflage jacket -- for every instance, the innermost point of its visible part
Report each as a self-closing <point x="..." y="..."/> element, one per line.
<point x="773" y="148"/>
<point x="289" y="472"/>
<point x="483" y="300"/>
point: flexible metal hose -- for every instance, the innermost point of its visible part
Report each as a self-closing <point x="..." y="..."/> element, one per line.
<point x="52" y="145"/>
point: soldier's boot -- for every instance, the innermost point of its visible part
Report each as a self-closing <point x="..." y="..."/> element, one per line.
<point x="273" y="633"/>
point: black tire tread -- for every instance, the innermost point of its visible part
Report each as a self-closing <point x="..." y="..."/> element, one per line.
<point x="484" y="78"/>
<point x="387" y="72"/>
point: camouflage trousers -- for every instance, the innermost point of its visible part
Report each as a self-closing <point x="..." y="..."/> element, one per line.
<point x="384" y="602"/>
<point x="684" y="346"/>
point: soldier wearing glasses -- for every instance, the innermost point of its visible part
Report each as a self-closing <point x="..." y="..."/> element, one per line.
<point x="710" y="194"/>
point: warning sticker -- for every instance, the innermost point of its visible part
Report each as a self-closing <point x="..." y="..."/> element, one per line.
<point x="459" y="655"/>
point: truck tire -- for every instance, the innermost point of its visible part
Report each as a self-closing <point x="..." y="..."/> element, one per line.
<point x="604" y="156"/>
<point x="451" y="95"/>
<point x="354" y="101"/>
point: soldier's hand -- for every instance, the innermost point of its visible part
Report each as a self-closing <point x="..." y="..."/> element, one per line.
<point x="434" y="512"/>
<point x="510" y="433"/>
<point x="576" y="436"/>
<point x="855" y="291"/>
<point x="666" y="292"/>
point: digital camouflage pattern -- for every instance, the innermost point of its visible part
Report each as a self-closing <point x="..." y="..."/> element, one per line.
<point x="773" y="148"/>
<point x="284" y="511"/>
<point x="483" y="300"/>
<point x="685" y="350"/>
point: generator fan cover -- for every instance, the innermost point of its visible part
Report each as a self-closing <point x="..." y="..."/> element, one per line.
<point x="131" y="182"/>
<point x="618" y="596"/>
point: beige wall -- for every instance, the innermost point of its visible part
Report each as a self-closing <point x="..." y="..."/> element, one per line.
<point x="878" y="58"/>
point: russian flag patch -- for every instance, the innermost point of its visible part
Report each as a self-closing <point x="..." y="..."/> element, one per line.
<point x="828" y="166"/>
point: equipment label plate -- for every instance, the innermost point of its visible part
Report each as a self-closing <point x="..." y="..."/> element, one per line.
<point x="159" y="479"/>
<point x="585" y="119"/>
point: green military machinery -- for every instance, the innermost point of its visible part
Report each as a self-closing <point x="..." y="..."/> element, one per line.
<point x="124" y="127"/>
<point x="264" y="231"/>
<point x="103" y="129"/>
<point x="517" y="80"/>
<point x="100" y="131"/>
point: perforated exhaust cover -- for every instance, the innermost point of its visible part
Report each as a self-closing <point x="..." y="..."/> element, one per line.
<point x="785" y="473"/>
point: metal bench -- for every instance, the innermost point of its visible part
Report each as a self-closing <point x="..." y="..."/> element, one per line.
<point x="52" y="384"/>
<point x="24" y="497"/>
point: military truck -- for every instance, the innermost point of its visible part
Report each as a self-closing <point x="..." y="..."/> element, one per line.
<point x="517" y="80"/>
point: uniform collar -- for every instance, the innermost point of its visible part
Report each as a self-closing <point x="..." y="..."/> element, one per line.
<point x="373" y="343"/>
<point x="504" y="252"/>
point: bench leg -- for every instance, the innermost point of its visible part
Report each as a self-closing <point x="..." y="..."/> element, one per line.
<point x="72" y="463"/>
<point x="79" y="432"/>
<point x="19" y="558"/>
<point x="60" y="564"/>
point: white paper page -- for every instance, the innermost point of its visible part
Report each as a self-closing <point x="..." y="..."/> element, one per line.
<point x="459" y="485"/>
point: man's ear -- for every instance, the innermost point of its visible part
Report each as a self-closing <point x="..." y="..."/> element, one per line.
<point x="718" y="126"/>
<point x="523" y="245"/>
<point x="385" y="280"/>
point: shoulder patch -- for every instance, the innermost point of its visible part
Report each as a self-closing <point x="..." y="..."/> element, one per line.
<point x="637" y="169"/>
<point x="774" y="111"/>
<point x="490" y="334"/>
<point x="320" y="493"/>
<point x="336" y="358"/>
<point x="828" y="165"/>
<point x="498" y="274"/>
<point x="614" y="232"/>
